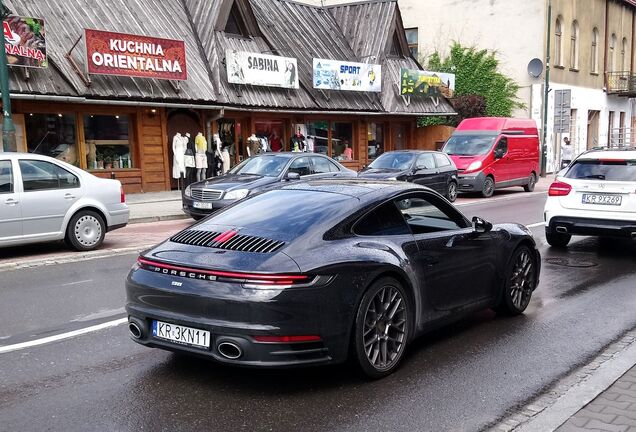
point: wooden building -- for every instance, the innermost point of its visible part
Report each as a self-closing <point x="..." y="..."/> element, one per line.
<point x="122" y="126"/>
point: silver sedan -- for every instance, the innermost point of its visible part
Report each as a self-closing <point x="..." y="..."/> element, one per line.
<point x="45" y="199"/>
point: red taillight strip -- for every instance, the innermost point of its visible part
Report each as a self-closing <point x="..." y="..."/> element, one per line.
<point x="260" y="278"/>
<point x="286" y="339"/>
<point x="222" y="238"/>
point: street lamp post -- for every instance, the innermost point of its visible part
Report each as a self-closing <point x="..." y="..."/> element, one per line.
<point x="544" y="144"/>
<point x="8" y="128"/>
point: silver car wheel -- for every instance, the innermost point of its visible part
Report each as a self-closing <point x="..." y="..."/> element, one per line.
<point x="88" y="230"/>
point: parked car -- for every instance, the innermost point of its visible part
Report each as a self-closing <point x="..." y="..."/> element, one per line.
<point x="45" y="199"/>
<point x="255" y="174"/>
<point x="427" y="168"/>
<point x="596" y="196"/>
<point x="493" y="153"/>
<point x="312" y="271"/>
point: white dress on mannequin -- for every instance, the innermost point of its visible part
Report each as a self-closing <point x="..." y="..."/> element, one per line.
<point x="178" y="156"/>
<point x="225" y="157"/>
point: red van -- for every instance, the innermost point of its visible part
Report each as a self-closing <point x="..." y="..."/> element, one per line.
<point x="495" y="152"/>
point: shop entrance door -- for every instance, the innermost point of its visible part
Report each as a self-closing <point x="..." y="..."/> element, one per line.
<point x="182" y="121"/>
<point x="399" y="136"/>
<point x="592" y="129"/>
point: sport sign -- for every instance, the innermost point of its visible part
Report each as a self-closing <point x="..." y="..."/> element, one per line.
<point x="110" y="53"/>
<point x="24" y="41"/>
<point x="339" y="75"/>
<point x="261" y="69"/>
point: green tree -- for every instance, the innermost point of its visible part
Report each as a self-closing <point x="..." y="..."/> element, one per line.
<point x="476" y="74"/>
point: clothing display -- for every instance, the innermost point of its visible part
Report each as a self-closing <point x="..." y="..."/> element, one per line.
<point x="215" y="163"/>
<point x="253" y="145"/>
<point x="297" y="143"/>
<point x="200" y="158"/>
<point x="225" y="157"/>
<point x="275" y="143"/>
<point x="179" y="146"/>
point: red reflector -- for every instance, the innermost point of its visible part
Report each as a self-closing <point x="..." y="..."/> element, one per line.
<point x="559" y="189"/>
<point x="225" y="236"/>
<point x="122" y="196"/>
<point x="286" y="339"/>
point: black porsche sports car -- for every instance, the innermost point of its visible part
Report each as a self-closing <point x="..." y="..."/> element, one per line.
<point x="316" y="271"/>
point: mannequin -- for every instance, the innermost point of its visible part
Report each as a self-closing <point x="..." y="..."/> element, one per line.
<point x="201" y="160"/>
<point x="297" y="142"/>
<point x="225" y="158"/>
<point x="253" y="145"/>
<point x="215" y="163"/>
<point x="189" y="158"/>
<point x="275" y="143"/>
<point x="178" y="156"/>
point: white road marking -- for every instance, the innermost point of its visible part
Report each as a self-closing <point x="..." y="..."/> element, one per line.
<point x="68" y="335"/>
<point x="496" y="199"/>
<point x="77" y="283"/>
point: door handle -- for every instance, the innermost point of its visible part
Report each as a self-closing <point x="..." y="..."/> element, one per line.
<point x="69" y="196"/>
<point x="11" y="201"/>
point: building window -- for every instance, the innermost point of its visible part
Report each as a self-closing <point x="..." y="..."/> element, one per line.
<point x="612" y="53"/>
<point x="574" y="46"/>
<point x="235" y="24"/>
<point x="558" y="42"/>
<point x="342" y="141"/>
<point x="624" y="64"/>
<point x="270" y="133"/>
<point x="412" y="39"/>
<point x="107" y="141"/>
<point x="315" y="136"/>
<point x="375" y="140"/>
<point x="594" y="57"/>
<point x="52" y="135"/>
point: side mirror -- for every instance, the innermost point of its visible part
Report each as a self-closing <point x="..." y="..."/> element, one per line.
<point x="480" y="225"/>
<point x="292" y="176"/>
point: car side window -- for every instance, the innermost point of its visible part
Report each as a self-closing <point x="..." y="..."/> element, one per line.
<point x="441" y="160"/>
<point x="6" y="177"/>
<point x="425" y="214"/>
<point x="382" y="221"/>
<point x="321" y="165"/>
<point x="300" y="166"/>
<point x="332" y="166"/>
<point x="42" y="175"/>
<point x="425" y="161"/>
<point x="502" y="146"/>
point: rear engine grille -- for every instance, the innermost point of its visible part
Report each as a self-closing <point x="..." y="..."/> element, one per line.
<point x="206" y="194"/>
<point x="239" y="242"/>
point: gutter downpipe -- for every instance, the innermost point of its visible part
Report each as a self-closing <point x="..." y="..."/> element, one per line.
<point x="546" y="90"/>
<point x="8" y="128"/>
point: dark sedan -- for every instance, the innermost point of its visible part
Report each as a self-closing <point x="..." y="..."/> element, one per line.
<point x="256" y="174"/>
<point x="313" y="272"/>
<point x="428" y="168"/>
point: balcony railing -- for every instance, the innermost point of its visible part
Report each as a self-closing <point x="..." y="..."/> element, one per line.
<point x="621" y="83"/>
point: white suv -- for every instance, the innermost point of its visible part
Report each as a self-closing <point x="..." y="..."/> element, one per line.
<point x="595" y="197"/>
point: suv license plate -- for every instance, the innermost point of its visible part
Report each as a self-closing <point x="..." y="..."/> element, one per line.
<point x="614" y="200"/>
<point x="181" y="334"/>
<point x="202" y="205"/>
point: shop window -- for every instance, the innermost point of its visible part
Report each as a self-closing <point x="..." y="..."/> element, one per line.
<point x="107" y="140"/>
<point x="375" y="140"/>
<point x="342" y="141"/>
<point x="316" y="136"/>
<point x="271" y="134"/>
<point x="42" y="175"/>
<point x="52" y="135"/>
<point x="412" y="39"/>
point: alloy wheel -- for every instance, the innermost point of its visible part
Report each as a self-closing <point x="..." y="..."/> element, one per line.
<point x="522" y="280"/>
<point x="88" y="230"/>
<point x="452" y="191"/>
<point x="384" y="330"/>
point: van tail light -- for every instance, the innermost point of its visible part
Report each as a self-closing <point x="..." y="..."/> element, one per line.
<point x="558" y="188"/>
<point x="122" y="195"/>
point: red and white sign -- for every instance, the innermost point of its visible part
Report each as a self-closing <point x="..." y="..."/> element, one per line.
<point x="110" y="53"/>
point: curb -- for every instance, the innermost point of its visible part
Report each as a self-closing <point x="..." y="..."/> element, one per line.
<point x="147" y="219"/>
<point x="567" y="396"/>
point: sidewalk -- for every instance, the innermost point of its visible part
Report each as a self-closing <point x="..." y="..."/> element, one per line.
<point x="161" y="206"/>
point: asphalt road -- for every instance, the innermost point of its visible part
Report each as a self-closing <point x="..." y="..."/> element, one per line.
<point x="460" y="378"/>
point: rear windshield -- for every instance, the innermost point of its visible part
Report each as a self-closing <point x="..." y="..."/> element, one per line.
<point x="611" y="170"/>
<point x="469" y="145"/>
<point x="292" y="212"/>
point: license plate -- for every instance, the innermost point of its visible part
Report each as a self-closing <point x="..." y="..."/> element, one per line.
<point x="202" y="205"/>
<point x="614" y="200"/>
<point x="181" y="334"/>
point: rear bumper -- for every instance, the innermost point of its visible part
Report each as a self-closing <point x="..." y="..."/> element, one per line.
<point x="591" y="226"/>
<point x="471" y="182"/>
<point x="235" y="314"/>
<point x="118" y="218"/>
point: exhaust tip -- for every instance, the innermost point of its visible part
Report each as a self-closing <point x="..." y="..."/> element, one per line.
<point x="561" y="229"/>
<point x="229" y="350"/>
<point x="135" y="330"/>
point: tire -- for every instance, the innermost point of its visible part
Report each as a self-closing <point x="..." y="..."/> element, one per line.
<point x="532" y="181"/>
<point x="557" y="239"/>
<point x="379" y="340"/>
<point x="488" y="188"/>
<point x="85" y="231"/>
<point x="451" y="192"/>
<point x="521" y="277"/>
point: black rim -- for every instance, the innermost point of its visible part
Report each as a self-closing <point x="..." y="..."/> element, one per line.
<point x="452" y="191"/>
<point x="384" y="329"/>
<point x="522" y="280"/>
